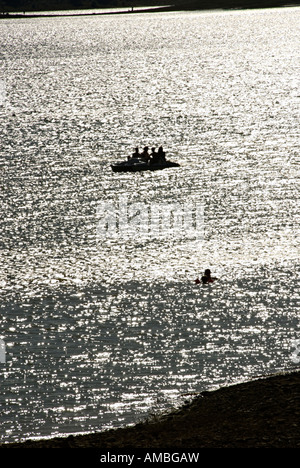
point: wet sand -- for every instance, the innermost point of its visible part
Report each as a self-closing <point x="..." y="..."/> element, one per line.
<point x="262" y="413"/>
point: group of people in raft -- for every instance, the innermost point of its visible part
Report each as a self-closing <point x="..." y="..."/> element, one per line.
<point x="155" y="157"/>
<point x="206" y="278"/>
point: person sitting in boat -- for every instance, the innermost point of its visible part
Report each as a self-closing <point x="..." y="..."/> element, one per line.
<point x="136" y="154"/>
<point x="154" y="156"/>
<point x="134" y="158"/>
<point x="161" y="154"/>
<point x="145" y="155"/>
<point x="153" y="153"/>
<point x="207" y="278"/>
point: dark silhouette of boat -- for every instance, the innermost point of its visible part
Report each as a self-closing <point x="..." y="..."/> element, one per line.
<point x="137" y="165"/>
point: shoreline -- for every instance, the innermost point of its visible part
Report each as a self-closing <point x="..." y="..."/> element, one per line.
<point x="62" y="14"/>
<point x="261" y="413"/>
<point x="162" y="9"/>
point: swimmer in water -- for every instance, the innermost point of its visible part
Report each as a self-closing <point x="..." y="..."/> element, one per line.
<point x="207" y="278"/>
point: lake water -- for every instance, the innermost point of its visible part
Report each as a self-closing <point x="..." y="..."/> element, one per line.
<point x="101" y="322"/>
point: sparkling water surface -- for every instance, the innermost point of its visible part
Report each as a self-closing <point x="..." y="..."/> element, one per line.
<point x="102" y="331"/>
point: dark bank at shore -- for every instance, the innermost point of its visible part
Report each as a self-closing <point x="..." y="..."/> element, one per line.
<point x="261" y="413"/>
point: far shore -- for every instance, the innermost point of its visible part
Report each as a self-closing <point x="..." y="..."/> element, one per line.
<point x="134" y="10"/>
<point x="63" y="13"/>
<point x="261" y="413"/>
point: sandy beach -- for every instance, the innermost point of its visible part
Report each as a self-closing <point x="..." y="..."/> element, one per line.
<point x="262" y="413"/>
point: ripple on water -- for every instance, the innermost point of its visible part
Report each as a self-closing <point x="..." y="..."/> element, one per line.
<point x="101" y="330"/>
